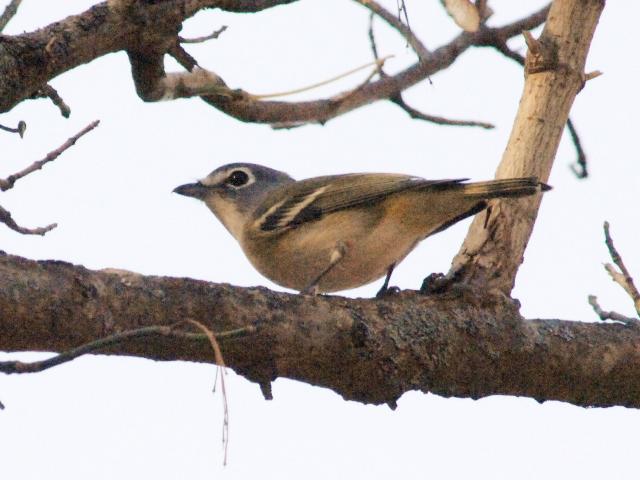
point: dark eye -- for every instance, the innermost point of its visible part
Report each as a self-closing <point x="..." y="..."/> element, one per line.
<point x="237" y="178"/>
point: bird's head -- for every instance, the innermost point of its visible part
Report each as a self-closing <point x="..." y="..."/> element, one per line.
<point x="233" y="192"/>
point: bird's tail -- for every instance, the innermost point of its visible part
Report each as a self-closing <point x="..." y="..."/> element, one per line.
<point x="509" y="187"/>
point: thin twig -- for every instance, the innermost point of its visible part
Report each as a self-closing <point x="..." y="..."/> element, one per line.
<point x="20" y="129"/>
<point x="5" y="217"/>
<point x="211" y="36"/>
<point x="483" y="10"/>
<point x="219" y="374"/>
<point x="416" y="114"/>
<point x="580" y="167"/>
<point x="8" y="183"/>
<point x="47" y="91"/>
<point x="102" y="343"/>
<point x="183" y="57"/>
<point x="413" y="113"/>
<point x="501" y="45"/>
<point x="402" y="10"/>
<point x="374" y="46"/>
<point x="243" y="106"/>
<point x="9" y="12"/>
<point x="394" y="21"/>
<point x="377" y="64"/>
<point x="604" y="315"/>
<point x="622" y="277"/>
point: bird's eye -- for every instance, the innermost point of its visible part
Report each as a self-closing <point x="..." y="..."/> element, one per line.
<point x="237" y="178"/>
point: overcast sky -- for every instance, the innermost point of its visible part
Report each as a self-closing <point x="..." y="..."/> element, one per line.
<point x="102" y="418"/>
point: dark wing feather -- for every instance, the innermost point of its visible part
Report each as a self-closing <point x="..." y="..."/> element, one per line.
<point x="309" y="200"/>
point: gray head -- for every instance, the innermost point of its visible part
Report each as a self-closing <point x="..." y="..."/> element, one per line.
<point x="234" y="191"/>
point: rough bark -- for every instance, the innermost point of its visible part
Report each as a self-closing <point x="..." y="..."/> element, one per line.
<point x="467" y="342"/>
<point x="148" y="31"/>
<point x="492" y="252"/>
<point x="458" y="344"/>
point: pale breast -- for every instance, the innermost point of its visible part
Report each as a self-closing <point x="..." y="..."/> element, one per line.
<point x="296" y="257"/>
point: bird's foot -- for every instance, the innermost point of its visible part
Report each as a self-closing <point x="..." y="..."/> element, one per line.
<point x="387" y="292"/>
<point x="435" y="283"/>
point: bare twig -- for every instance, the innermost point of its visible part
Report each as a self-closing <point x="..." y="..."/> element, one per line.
<point x="377" y="64"/>
<point x="501" y="45"/>
<point x="183" y="57"/>
<point x="402" y="11"/>
<point x="8" y="183"/>
<point x="47" y="91"/>
<point x="219" y="374"/>
<point x="9" y="12"/>
<point x="413" y="113"/>
<point x="483" y="9"/>
<point x="622" y="277"/>
<point x="396" y="23"/>
<point x="244" y="107"/>
<point x="5" y="217"/>
<point x="604" y="315"/>
<point x="20" y="129"/>
<point x="211" y="36"/>
<point x="580" y="167"/>
<point x="373" y="44"/>
<point x="15" y="366"/>
<point x="416" y="114"/>
<point x="592" y="75"/>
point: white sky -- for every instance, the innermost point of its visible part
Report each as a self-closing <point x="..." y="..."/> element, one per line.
<point x="104" y="417"/>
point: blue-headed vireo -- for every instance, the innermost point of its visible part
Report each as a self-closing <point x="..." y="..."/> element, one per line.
<point x="338" y="232"/>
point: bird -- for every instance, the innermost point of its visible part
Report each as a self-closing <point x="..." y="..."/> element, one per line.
<point x="332" y="233"/>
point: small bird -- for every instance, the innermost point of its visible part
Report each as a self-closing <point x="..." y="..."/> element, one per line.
<point x="338" y="232"/>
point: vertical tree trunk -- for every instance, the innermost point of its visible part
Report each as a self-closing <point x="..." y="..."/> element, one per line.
<point x="493" y="251"/>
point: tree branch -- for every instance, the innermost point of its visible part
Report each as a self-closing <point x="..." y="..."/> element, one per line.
<point x="7" y="183"/>
<point x="622" y="277"/>
<point x="211" y="36"/>
<point x="493" y="250"/>
<point x="462" y="343"/>
<point x="30" y="60"/>
<point x="7" y="219"/>
<point x="418" y="115"/>
<point x="47" y="91"/>
<point x="8" y="13"/>
<point x="20" y="128"/>
<point x="395" y="22"/>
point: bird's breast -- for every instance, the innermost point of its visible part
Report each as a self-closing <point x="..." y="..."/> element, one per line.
<point x="369" y="242"/>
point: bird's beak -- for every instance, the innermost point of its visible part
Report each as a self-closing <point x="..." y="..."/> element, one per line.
<point x="195" y="190"/>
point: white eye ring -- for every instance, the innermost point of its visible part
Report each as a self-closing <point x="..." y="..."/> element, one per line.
<point x="222" y="178"/>
<point x="239" y="178"/>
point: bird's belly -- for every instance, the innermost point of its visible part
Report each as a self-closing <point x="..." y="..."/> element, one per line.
<point x="368" y="249"/>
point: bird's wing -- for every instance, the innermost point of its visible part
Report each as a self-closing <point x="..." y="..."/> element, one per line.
<point x="311" y="199"/>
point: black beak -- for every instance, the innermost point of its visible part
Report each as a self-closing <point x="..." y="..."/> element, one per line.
<point x="195" y="190"/>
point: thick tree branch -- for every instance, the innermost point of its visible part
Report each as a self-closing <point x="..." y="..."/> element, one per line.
<point x="493" y="250"/>
<point x="457" y="344"/>
<point x="149" y="30"/>
<point x="246" y="108"/>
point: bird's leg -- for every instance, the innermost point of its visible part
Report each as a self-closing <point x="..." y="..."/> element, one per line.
<point x="385" y="286"/>
<point x="334" y="258"/>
